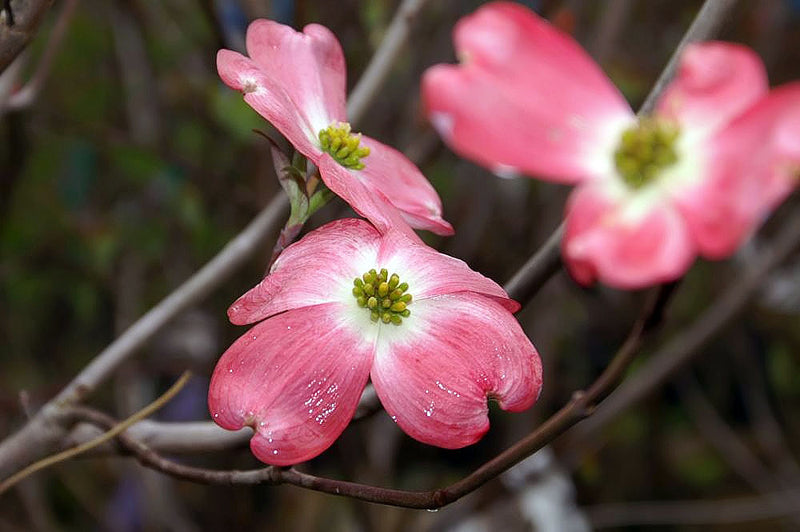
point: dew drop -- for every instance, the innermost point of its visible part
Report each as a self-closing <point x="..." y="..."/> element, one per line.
<point x="432" y="510"/>
<point x="275" y="451"/>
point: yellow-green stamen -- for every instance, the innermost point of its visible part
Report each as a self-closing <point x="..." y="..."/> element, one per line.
<point x="645" y="150"/>
<point x="343" y="145"/>
<point x="383" y="295"/>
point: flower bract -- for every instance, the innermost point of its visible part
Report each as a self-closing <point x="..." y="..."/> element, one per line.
<point x="346" y="304"/>
<point x="296" y="80"/>
<point x="719" y="152"/>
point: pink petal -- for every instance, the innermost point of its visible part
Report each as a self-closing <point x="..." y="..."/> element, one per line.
<point x="754" y="163"/>
<point x="430" y="274"/>
<point x="435" y="377"/>
<point x="308" y="66"/>
<point x="526" y="97"/>
<point x="624" y="245"/>
<point x="390" y="172"/>
<point x="296" y="379"/>
<point x="269" y="100"/>
<point x="364" y="197"/>
<point x="319" y="268"/>
<point x="715" y="82"/>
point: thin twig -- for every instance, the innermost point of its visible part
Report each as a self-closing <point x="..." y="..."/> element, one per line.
<point x="538" y="269"/>
<point x="578" y="408"/>
<point x="726" y="441"/>
<point x="730" y="511"/>
<point x="682" y="348"/>
<point x="26" y="96"/>
<point x="376" y="73"/>
<point x="15" y="37"/>
<point x="547" y="260"/>
<point x="114" y="431"/>
<point x="46" y="428"/>
<point x="768" y="432"/>
<point x="705" y="25"/>
<point x="522" y="286"/>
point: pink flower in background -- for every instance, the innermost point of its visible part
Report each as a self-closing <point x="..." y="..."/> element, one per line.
<point x="337" y="309"/>
<point x="297" y="82"/>
<point x="696" y="177"/>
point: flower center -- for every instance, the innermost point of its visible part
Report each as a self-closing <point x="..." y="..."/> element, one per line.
<point x="383" y="295"/>
<point x="343" y="145"/>
<point x="645" y="150"/>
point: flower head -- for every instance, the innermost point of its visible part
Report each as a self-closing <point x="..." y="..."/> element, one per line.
<point x="696" y="177"/>
<point x="296" y="80"/>
<point x="347" y="303"/>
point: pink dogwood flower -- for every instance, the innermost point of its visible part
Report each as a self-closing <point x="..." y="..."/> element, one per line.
<point x="696" y="177"/>
<point x="337" y="309"/>
<point x="296" y="80"/>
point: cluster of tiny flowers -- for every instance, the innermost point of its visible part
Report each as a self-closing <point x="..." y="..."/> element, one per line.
<point x="644" y="150"/>
<point x="344" y="146"/>
<point x="383" y="295"/>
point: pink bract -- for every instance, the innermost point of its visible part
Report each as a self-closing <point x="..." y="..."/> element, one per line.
<point x="297" y="375"/>
<point x="527" y="99"/>
<point x="296" y="80"/>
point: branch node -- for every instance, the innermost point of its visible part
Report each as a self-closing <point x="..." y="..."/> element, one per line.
<point x="439" y="498"/>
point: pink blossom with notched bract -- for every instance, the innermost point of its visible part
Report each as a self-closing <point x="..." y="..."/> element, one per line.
<point x="697" y="177"/>
<point x="296" y="377"/>
<point x="296" y="80"/>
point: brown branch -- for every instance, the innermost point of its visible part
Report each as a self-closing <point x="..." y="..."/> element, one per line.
<point x="726" y="441"/>
<point x="577" y="409"/>
<point x="376" y="73"/>
<point x="19" y="27"/>
<point x="547" y="261"/>
<point x="768" y="432"/>
<point x="50" y="424"/>
<point x="684" y="347"/>
<point x="705" y="25"/>
<point x="46" y="428"/>
<point x="26" y="96"/>
<point x="522" y="286"/>
<point x="730" y="511"/>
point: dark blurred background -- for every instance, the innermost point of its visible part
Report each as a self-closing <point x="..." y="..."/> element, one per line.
<point x="133" y="165"/>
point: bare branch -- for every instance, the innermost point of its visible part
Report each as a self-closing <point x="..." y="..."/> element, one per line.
<point x="547" y="260"/>
<point x="727" y="442"/>
<point x="25" y="96"/>
<point x="376" y="73"/>
<point x="579" y="407"/>
<point x="705" y="25"/>
<point x="112" y="432"/>
<point x="47" y="427"/>
<point x="538" y="269"/>
<point x="43" y="432"/>
<point x="522" y="286"/>
<point x="682" y="348"/>
<point x="18" y="27"/>
<point x="730" y="511"/>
